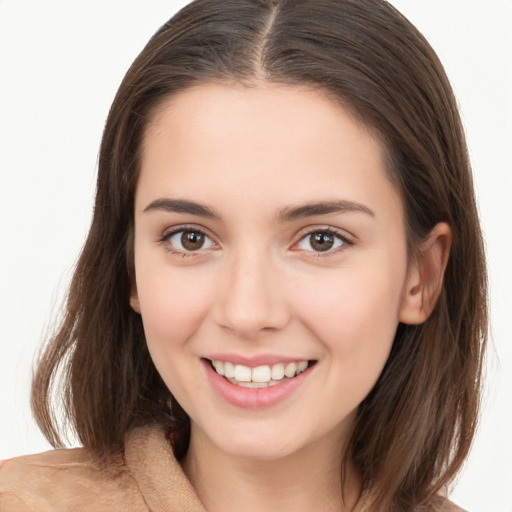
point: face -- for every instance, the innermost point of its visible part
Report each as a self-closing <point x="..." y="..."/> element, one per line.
<point x="270" y="244"/>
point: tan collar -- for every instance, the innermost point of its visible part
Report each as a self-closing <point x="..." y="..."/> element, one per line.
<point x="162" y="483"/>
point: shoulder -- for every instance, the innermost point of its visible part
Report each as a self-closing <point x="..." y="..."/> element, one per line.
<point x="65" y="480"/>
<point x="443" y="504"/>
<point x="451" y="507"/>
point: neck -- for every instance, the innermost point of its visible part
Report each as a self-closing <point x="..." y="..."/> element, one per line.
<point x="310" y="479"/>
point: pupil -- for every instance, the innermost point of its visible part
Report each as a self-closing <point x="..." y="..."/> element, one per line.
<point x="322" y="242"/>
<point x="192" y="240"/>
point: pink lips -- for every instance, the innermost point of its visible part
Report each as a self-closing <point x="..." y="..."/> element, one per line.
<point x="253" y="398"/>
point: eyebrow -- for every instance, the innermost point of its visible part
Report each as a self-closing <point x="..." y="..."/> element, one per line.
<point x="286" y="214"/>
<point x="182" y="206"/>
<point x="290" y="213"/>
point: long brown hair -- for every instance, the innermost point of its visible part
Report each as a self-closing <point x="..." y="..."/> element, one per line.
<point x="414" y="429"/>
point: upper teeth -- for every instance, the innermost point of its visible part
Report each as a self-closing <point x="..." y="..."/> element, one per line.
<point x="260" y="374"/>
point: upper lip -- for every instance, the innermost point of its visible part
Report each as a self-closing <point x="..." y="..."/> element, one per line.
<point x="256" y="360"/>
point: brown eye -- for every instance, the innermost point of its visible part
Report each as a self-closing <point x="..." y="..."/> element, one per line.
<point x="192" y="240"/>
<point x="189" y="240"/>
<point x="321" y="241"/>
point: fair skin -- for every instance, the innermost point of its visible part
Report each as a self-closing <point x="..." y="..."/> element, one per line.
<point x="234" y="264"/>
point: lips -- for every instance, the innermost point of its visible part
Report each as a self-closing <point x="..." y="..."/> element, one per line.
<point x="243" y="389"/>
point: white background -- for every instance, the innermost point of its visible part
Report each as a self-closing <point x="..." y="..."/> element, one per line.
<point x="60" y="65"/>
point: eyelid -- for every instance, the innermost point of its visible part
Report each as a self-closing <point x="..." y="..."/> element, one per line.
<point x="346" y="236"/>
<point x="168" y="232"/>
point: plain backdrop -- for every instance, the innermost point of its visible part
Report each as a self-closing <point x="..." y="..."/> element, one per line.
<point x="60" y="65"/>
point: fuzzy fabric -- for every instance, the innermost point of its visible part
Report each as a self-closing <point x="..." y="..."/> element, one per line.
<point x="147" y="478"/>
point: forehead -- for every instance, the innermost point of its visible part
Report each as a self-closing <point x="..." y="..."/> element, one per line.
<point x="270" y="143"/>
<point x="235" y="111"/>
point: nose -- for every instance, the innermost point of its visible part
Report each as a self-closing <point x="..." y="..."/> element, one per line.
<point x="253" y="297"/>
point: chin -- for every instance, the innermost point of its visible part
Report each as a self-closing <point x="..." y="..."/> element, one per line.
<point x="244" y="442"/>
<point x="258" y="450"/>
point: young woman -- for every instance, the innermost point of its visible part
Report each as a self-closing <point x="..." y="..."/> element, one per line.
<point x="281" y="303"/>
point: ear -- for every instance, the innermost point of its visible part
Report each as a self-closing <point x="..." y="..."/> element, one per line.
<point x="425" y="279"/>
<point x="134" y="297"/>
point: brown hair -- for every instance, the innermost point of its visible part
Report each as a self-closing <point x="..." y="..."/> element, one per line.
<point x="414" y="429"/>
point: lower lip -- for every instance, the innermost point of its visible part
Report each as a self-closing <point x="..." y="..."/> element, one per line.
<point x="253" y="398"/>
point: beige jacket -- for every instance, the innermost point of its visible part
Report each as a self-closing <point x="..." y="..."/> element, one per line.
<point x="148" y="478"/>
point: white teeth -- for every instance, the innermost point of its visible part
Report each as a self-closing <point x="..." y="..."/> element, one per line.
<point x="302" y="366"/>
<point x="229" y="370"/>
<point x="278" y="371"/>
<point x="219" y="367"/>
<point x="290" y="370"/>
<point x="251" y="384"/>
<point x="255" y="384"/>
<point x="260" y="376"/>
<point x="242" y="373"/>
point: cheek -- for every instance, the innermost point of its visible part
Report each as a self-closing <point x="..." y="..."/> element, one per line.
<point x="172" y="304"/>
<point x="355" y="313"/>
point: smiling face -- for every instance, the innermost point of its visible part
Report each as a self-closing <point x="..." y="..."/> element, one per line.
<point x="268" y="236"/>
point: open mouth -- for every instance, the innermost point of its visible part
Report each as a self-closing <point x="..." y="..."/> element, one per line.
<point x="259" y="376"/>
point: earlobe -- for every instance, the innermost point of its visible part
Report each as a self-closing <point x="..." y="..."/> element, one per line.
<point x="134" y="299"/>
<point x="425" y="279"/>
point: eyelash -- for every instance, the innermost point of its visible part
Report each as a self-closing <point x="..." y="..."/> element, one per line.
<point x="345" y="240"/>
